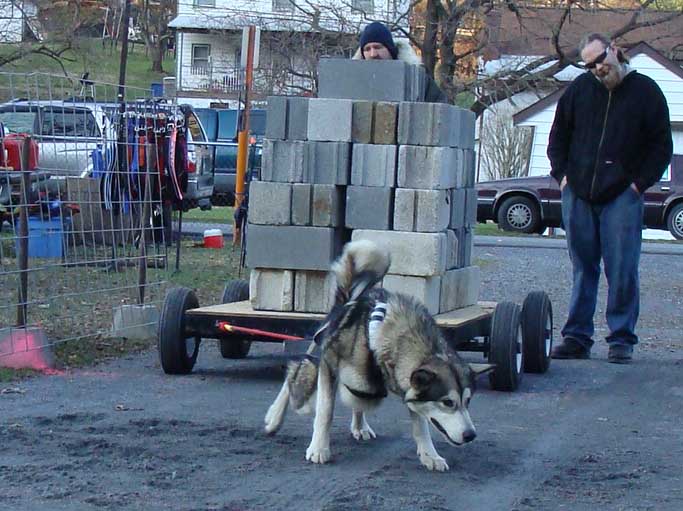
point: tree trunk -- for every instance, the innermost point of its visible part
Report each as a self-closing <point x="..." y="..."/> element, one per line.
<point x="157" y="52"/>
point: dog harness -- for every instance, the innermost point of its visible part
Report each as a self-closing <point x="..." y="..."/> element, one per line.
<point x="377" y="316"/>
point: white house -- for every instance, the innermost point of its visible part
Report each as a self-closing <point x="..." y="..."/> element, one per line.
<point x="17" y="19"/>
<point x="294" y="34"/>
<point x="646" y="60"/>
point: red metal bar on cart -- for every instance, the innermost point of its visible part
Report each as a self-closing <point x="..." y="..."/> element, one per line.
<point x="227" y="327"/>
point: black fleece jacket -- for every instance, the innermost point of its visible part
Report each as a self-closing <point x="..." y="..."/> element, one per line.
<point x="603" y="141"/>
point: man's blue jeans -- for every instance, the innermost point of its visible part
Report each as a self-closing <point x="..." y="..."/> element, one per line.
<point x="611" y="232"/>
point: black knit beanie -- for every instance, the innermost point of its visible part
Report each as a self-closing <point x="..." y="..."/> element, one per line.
<point x="377" y="32"/>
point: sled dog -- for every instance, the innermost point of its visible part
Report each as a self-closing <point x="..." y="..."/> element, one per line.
<point x="372" y="342"/>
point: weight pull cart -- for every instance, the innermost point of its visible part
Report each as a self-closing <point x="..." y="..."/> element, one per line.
<point x="516" y="339"/>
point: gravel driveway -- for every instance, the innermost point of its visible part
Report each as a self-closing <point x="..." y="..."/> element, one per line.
<point x="587" y="435"/>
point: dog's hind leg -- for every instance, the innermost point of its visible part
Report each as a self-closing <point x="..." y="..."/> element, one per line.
<point x="360" y="429"/>
<point x="319" y="449"/>
<point x="276" y="413"/>
<point x="425" y="447"/>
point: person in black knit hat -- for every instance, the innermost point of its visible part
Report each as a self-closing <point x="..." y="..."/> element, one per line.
<point x="377" y="43"/>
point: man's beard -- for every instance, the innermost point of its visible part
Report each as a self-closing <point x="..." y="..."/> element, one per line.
<point x="612" y="78"/>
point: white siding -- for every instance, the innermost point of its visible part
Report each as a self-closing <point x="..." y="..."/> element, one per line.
<point x="222" y="58"/>
<point x="671" y="85"/>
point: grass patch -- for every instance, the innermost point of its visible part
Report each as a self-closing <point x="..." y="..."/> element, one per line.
<point x="216" y="215"/>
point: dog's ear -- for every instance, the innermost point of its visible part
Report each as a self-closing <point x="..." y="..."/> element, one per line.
<point x="422" y="379"/>
<point x="480" y="369"/>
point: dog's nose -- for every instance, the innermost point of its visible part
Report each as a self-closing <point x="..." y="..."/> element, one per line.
<point x="469" y="435"/>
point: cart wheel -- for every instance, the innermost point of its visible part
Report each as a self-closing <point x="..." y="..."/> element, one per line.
<point x="537" y="331"/>
<point x="177" y="352"/>
<point x="235" y="346"/>
<point x="505" y="347"/>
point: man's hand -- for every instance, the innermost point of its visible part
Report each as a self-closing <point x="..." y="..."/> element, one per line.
<point x="563" y="183"/>
<point x="635" y="188"/>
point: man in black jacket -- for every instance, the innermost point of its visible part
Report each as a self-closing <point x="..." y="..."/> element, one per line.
<point x="610" y="141"/>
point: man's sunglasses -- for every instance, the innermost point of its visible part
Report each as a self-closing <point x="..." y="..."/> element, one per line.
<point x="598" y="59"/>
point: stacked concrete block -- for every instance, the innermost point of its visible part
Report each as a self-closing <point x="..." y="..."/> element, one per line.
<point x="373" y="165"/>
<point x="313" y="291"/>
<point x="270" y="203"/>
<point x="422" y="210"/>
<point x="432" y="168"/>
<point x="369" y="207"/>
<point x="425" y="289"/>
<point x="328" y="163"/>
<point x="272" y="289"/>
<point x="460" y="288"/>
<point x="385" y="123"/>
<point x="330" y="120"/>
<point x="284" y="161"/>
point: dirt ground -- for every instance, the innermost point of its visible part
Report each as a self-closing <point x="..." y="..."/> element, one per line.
<point x="587" y="435"/>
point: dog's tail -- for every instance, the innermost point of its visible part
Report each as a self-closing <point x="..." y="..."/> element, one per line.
<point x="361" y="265"/>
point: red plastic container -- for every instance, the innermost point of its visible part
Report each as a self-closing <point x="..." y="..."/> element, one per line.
<point x="12" y="145"/>
<point x="213" y="238"/>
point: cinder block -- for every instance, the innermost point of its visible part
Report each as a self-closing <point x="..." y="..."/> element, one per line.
<point x="470" y="206"/>
<point x="385" y="80"/>
<point x="469" y="169"/>
<point x="430" y="168"/>
<point x="421" y="210"/>
<point x="385" y="122"/>
<point x="361" y="129"/>
<point x="465" y="236"/>
<point x="327" y="208"/>
<point x="297" y="118"/>
<point x="452" y="250"/>
<point x="284" y="161"/>
<point x="460" y="288"/>
<point x="330" y="120"/>
<point x="270" y="203"/>
<point x="418" y="82"/>
<point x="434" y="124"/>
<point x="328" y="163"/>
<point x="271" y="289"/>
<point x="427" y="290"/>
<point x="135" y="321"/>
<point x="412" y="253"/>
<point x="458" y="200"/>
<point x="373" y="165"/>
<point x="369" y="207"/>
<point x="302" y="194"/>
<point x="313" y="291"/>
<point x="292" y="247"/>
<point x="276" y="120"/>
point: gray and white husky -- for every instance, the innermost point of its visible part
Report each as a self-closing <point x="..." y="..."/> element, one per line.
<point x="371" y="342"/>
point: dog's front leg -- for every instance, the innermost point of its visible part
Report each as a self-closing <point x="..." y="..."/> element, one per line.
<point x="360" y="429"/>
<point x="425" y="447"/>
<point x="319" y="449"/>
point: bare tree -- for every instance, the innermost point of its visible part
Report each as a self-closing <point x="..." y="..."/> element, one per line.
<point x="153" y="19"/>
<point x="505" y="148"/>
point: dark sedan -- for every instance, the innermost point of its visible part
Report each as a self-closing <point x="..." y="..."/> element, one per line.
<point x="531" y="204"/>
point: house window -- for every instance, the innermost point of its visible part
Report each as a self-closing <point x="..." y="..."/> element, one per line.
<point x="201" y="53"/>
<point x="367" y="6"/>
<point x="205" y="3"/>
<point x="283" y="5"/>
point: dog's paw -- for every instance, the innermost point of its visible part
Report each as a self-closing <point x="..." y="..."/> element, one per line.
<point x="318" y="455"/>
<point x="363" y="433"/>
<point x="433" y="462"/>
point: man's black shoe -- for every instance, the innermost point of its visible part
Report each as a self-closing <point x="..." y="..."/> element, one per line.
<point x="620" y="353"/>
<point x="570" y="349"/>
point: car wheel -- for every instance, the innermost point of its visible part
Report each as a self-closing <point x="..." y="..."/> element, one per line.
<point x="519" y="214"/>
<point x="235" y="346"/>
<point x="675" y="221"/>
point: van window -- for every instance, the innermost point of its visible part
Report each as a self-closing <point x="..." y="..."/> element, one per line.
<point x="68" y="123"/>
<point x="257" y="122"/>
<point x="227" y="125"/>
<point x="18" y="122"/>
<point x="195" y="128"/>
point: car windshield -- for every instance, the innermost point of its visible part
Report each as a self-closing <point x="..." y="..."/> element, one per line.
<point x="68" y="123"/>
<point x="18" y="122"/>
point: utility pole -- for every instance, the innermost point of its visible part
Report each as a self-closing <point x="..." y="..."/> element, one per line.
<point x="124" y="52"/>
<point x="243" y="137"/>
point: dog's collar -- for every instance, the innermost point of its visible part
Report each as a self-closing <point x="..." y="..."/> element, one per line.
<point x="377" y="316"/>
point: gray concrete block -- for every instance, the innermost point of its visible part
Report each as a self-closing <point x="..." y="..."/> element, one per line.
<point x="412" y="253"/>
<point x="292" y="247"/>
<point x="470" y="206"/>
<point x="386" y="80"/>
<point x="271" y="289"/>
<point x="421" y="210"/>
<point x="327" y="208"/>
<point x="270" y="203"/>
<point x="385" y="123"/>
<point x="452" y="250"/>
<point x="276" y="119"/>
<point x="465" y="236"/>
<point x="435" y="124"/>
<point x="302" y="194"/>
<point x="418" y="83"/>
<point x="460" y="288"/>
<point x="369" y="207"/>
<point x="458" y="200"/>
<point x="427" y="290"/>
<point x="313" y="291"/>
<point x="328" y="163"/>
<point x="284" y="161"/>
<point x="135" y="321"/>
<point x="297" y="118"/>
<point x="361" y="128"/>
<point x="330" y="120"/>
<point x="430" y="168"/>
<point x="469" y="168"/>
<point x="373" y="165"/>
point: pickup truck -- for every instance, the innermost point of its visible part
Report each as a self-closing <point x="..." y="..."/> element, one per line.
<point x="531" y="204"/>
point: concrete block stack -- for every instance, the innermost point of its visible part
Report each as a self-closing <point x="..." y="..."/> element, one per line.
<point x="366" y="160"/>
